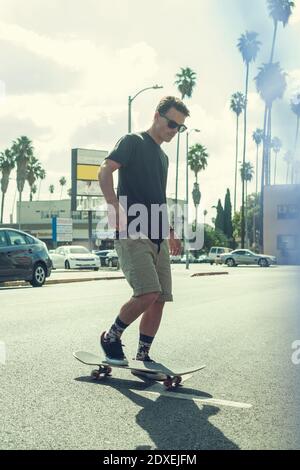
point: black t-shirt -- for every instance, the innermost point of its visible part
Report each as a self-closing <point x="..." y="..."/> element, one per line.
<point x="143" y="180"/>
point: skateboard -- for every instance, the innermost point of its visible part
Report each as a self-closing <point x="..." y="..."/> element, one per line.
<point x="171" y="377"/>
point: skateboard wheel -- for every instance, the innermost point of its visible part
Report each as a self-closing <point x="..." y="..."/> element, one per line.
<point x="95" y="374"/>
<point x="177" y="381"/>
<point x="107" y="371"/>
<point x="168" y="383"/>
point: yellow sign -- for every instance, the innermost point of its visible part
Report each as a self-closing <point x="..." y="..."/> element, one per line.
<point x="87" y="172"/>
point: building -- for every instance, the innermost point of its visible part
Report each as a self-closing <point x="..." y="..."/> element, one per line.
<point x="282" y="223"/>
<point x="36" y="218"/>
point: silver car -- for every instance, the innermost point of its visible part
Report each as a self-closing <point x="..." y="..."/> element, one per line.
<point x="237" y="257"/>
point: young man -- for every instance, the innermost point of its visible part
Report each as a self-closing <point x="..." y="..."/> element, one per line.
<point x="144" y="259"/>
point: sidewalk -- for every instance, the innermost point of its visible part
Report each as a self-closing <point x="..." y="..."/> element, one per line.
<point x="62" y="276"/>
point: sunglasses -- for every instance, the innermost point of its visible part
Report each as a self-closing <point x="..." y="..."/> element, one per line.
<point x="173" y="124"/>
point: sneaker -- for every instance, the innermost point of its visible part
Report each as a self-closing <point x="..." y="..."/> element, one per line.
<point x="113" y="351"/>
<point x="146" y="358"/>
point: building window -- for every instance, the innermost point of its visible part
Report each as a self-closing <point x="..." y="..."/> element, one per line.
<point x="287" y="242"/>
<point x="288" y="211"/>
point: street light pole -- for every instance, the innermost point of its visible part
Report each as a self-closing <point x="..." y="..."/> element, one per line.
<point x="187" y="195"/>
<point x="130" y="100"/>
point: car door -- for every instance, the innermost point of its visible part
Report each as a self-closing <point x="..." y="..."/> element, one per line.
<point x="6" y="266"/>
<point x="20" y="253"/>
<point x="59" y="258"/>
<point x="239" y="256"/>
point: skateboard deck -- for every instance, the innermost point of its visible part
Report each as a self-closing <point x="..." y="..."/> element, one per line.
<point x="171" y="376"/>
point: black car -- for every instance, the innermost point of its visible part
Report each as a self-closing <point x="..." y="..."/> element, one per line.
<point x="23" y="257"/>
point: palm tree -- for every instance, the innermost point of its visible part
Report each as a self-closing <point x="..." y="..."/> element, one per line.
<point x="34" y="170"/>
<point x="288" y="158"/>
<point x="7" y="164"/>
<point x="257" y="136"/>
<point x="186" y="81"/>
<point x="41" y="178"/>
<point x="296" y="168"/>
<point x="246" y="172"/>
<point x="62" y="182"/>
<point x="197" y="161"/>
<point x="295" y="106"/>
<point x="34" y="189"/>
<point x="51" y="190"/>
<point x="237" y="105"/>
<point x="248" y="46"/>
<point x="22" y="150"/>
<point x="280" y="11"/>
<point x="271" y="85"/>
<point x="276" y="145"/>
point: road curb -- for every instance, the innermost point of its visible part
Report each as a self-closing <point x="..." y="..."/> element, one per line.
<point x="61" y="281"/>
<point x="209" y="274"/>
<point x="106" y="278"/>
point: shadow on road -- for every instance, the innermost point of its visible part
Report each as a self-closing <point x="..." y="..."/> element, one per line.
<point x="171" y="424"/>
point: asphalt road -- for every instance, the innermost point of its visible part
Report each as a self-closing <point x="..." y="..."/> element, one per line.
<point x="242" y="326"/>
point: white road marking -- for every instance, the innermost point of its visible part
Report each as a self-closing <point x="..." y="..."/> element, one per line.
<point x="158" y="389"/>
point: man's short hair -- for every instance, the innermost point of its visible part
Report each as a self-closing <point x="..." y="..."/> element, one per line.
<point x="168" y="102"/>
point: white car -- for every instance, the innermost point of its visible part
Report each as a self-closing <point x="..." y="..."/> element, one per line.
<point x="74" y="257"/>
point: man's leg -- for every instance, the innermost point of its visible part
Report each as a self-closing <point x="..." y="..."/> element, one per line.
<point x="110" y="341"/>
<point x="149" y="326"/>
<point x="151" y="319"/>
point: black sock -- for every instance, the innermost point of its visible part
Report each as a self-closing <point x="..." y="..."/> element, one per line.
<point x="116" y="330"/>
<point x="144" y="346"/>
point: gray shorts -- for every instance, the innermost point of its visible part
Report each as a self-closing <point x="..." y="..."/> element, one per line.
<point x="144" y="268"/>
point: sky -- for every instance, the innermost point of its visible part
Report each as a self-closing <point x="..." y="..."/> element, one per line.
<point x="68" y="67"/>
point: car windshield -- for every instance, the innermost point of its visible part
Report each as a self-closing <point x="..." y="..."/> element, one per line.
<point x="78" y="249"/>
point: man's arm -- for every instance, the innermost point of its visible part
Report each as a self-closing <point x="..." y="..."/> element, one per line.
<point x="106" y="180"/>
<point x="116" y="215"/>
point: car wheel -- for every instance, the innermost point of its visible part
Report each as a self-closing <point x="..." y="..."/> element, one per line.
<point x="263" y="263"/>
<point x="211" y="263"/>
<point x="67" y="265"/>
<point x="39" y="276"/>
<point x="96" y="269"/>
<point x="230" y="262"/>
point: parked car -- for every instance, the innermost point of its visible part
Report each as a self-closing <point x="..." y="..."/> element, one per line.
<point x="102" y="254"/>
<point x="112" y="259"/>
<point x="192" y="258"/>
<point x="23" y="257"/>
<point x="203" y="259"/>
<point x="74" y="257"/>
<point x="175" y="259"/>
<point x="216" y="251"/>
<point x="237" y="257"/>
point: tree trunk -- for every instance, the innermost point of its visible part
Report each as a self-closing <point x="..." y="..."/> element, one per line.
<point x="269" y="138"/>
<point x="19" y="215"/>
<point x="39" y="190"/>
<point x="2" y="207"/>
<point x="236" y="159"/>
<point x="244" y="159"/>
<point x="246" y="215"/>
<point x="256" y="183"/>
<point x="276" y="153"/>
<point x="295" y="148"/>
<point x="263" y="170"/>
<point x="273" y="42"/>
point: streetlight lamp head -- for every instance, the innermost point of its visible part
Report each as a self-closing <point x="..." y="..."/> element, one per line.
<point x="156" y="87"/>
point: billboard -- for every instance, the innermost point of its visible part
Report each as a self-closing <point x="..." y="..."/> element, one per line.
<point x="86" y="192"/>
